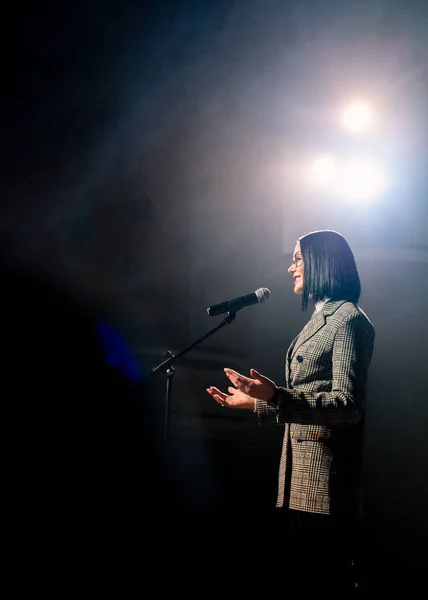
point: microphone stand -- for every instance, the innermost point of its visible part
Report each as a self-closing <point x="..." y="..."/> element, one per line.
<point x="167" y="367"/>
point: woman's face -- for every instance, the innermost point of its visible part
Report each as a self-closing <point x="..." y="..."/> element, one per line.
<point x="296" y="269"/>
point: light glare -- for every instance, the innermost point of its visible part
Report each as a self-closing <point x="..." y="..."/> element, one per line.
<point x="361" y="179"/>
<point x="358" y="118"/>
<point x="324" y="171"/>
<point x="357" y="179"/>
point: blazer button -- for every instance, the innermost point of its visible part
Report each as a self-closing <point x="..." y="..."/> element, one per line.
<point x="299" y="358"/>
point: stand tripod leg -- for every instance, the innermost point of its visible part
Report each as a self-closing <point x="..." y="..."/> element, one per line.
<point x="169" y="376"/>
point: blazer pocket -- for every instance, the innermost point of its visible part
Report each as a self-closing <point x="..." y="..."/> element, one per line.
<point x="310" y="433"/>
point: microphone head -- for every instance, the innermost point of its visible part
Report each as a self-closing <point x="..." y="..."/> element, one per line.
<point x="263" y="294"/>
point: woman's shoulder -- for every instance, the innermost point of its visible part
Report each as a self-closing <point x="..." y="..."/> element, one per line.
<point x="353" y="312"/>
<point x="345" y="310"/>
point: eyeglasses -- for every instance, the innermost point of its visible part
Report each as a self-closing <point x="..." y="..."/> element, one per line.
<point x="297" y="261"/>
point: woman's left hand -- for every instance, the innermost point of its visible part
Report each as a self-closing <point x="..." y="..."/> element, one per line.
<point x="257" y="386"/>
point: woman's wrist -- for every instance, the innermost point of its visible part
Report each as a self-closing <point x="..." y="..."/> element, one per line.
<point x="275" y="398"/>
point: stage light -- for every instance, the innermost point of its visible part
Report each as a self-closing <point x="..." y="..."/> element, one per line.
<point x="361" y="179"/>
<point x="356" y="179"/>
<point x="324" y="171"/>
<point x="358" y="118"/>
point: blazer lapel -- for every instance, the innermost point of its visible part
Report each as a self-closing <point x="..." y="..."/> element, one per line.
<point x="288" y="360"/>
<point x="317" y="321"/>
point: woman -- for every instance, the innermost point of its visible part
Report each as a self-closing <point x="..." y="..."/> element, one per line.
<point x="322" y="403"/>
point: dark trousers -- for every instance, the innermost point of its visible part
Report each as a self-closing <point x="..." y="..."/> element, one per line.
<point x="324" y="551"/>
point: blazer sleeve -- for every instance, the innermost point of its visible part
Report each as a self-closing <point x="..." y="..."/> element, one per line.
<point x="345" y="403"/>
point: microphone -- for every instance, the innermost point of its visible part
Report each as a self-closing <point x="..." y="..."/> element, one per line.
<point x="259" y="296"/>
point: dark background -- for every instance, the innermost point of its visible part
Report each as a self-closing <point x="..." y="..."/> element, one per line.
<point x="150" y="162"/>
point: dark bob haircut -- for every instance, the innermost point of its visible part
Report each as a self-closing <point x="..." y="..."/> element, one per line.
<point x="329" y="268"/>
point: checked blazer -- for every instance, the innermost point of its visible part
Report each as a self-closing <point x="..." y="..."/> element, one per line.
<point x="321" y="407"/>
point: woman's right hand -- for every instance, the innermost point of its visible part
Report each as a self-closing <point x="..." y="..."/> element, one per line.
<point x="235" y="398"/>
